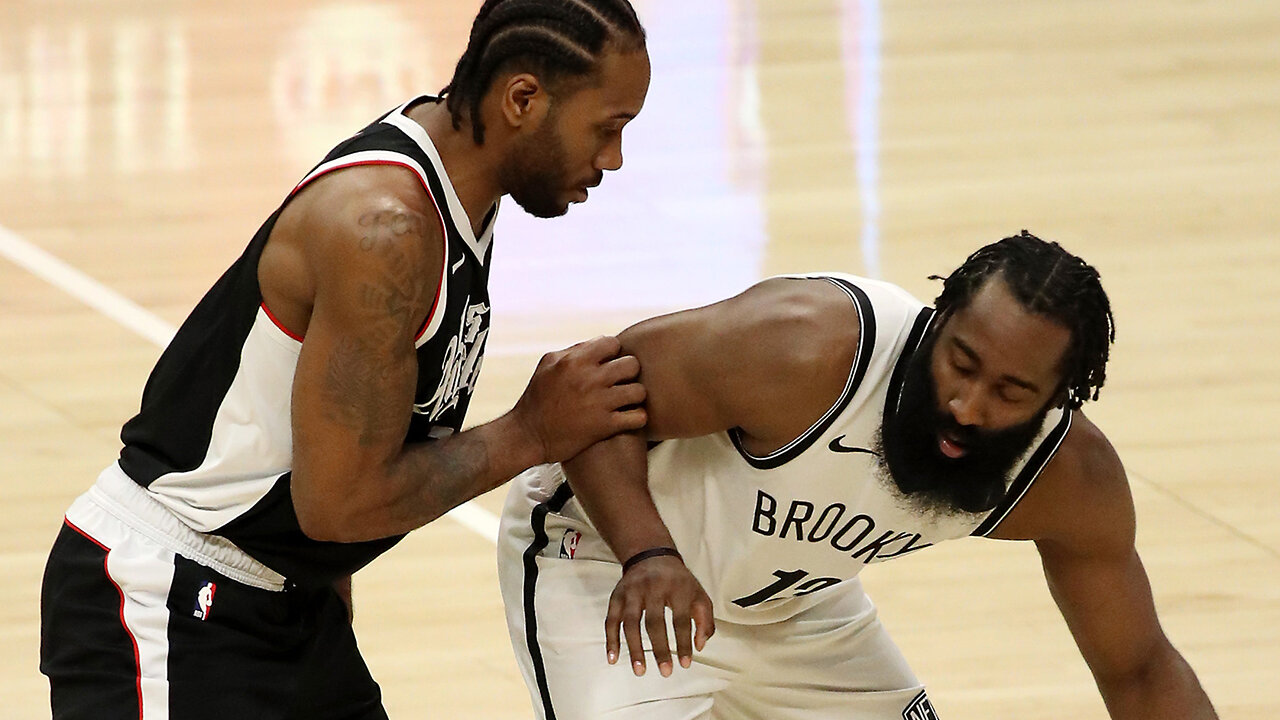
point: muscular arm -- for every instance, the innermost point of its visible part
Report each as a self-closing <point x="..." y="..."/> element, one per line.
<point x="769" y="362"/>
<point x="369" y="251"/>
<point x="1081" y="516"/>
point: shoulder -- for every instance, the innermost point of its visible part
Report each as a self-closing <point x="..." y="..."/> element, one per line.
<point x="807" y="323"/>
<point x="353" y="200"/>
<point x="798" y="340"/>
<point x="368" y="217"/>
<point x="367" y="235"/>
<point x="1082" y="498"/>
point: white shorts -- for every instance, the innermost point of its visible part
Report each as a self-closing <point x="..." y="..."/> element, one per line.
<point x="834" y="660"/>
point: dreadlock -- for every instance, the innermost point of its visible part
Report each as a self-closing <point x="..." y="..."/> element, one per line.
<point x="1049" y="281"/>
<point x="556" y="39"/>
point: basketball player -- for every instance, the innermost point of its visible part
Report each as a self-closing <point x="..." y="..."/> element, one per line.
<point x="309" y="412"/>
<point x="811" y="426"/>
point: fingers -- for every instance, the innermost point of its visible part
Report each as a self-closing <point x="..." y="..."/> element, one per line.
<point x="632" y="393"/>
<point x="643" y="599"/>
<point x="705" y="621"/>
<point x="655" y="622"/>
<point x="681" y="621"/>
<point x="696" y="616"/>
<point x="625" y="610"/>
<point x="631" y="630"/>
<point x="597" y="349"/>
<point x="611" y="623"/>
<point x="632" y="419"/>
<point x="603" y="352"/>
<point x="621" y="369"/>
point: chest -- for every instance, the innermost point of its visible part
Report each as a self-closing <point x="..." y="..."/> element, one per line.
<point x="764" y="540"/>
<point x="451" y="349"/>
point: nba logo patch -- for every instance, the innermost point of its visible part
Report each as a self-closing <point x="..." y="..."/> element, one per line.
<point x="920" y="709"/>
<point x="204" y="600"/>
<point x="569" y="544"/>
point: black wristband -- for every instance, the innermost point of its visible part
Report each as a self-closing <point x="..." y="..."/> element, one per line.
<point x="650" y="553"/>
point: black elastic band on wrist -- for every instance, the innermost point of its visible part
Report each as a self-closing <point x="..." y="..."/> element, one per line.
<point x="650" y="553"/>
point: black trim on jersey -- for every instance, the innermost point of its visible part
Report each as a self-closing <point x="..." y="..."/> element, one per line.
<point x="866" y="345"/>
<point x="539" y="523"/>
<point x="914" y="338"/>
<point x="1036" y="465"/>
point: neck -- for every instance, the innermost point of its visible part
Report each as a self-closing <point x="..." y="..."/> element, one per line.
<point x="472" y="168"/>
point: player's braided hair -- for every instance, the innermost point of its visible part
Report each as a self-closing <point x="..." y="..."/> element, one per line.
<point x="556" y="39"/>
<point x="1049" y="281"/>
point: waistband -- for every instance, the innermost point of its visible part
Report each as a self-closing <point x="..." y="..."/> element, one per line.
<point x="116" y="493"/>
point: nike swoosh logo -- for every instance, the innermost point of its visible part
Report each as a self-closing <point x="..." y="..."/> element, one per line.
<point x="837" y="446"/>
<point x="457" y="265"/>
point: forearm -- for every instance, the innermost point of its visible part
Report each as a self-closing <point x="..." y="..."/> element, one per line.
<point x="1165" y="687"/>
<point x="610" y="479"/>
<point x="426" y="480"/>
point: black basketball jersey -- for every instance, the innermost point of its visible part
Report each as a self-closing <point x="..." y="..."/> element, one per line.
<point x="213" y="440"/>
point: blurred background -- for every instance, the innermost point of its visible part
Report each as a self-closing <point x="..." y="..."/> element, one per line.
<point x="142" y="142"/>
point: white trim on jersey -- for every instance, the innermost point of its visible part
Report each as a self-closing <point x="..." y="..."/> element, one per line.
<point x="461" y="220"/>
<point x="378" y="157"/>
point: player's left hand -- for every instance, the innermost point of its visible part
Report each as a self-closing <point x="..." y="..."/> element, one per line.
<point x="645" y="591"/>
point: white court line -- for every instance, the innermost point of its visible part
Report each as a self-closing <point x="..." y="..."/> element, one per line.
<point x="84" y="288"/>
<point x="144" y="323"/>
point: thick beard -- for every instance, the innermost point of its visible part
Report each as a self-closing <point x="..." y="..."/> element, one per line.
<point x="909" y="451"/>
<point x="535" y="177"/>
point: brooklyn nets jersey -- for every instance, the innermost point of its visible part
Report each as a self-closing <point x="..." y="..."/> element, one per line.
<point x="213" y="440"/>
<point x="764" y="534"/>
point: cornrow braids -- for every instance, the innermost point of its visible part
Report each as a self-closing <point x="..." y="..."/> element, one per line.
<point x="1049" y="281"/>
<point x="555" y="39"/>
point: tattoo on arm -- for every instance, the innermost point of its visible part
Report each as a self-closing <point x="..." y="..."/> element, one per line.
<point x="455" y="467"/>
<point x="367" y="386"/>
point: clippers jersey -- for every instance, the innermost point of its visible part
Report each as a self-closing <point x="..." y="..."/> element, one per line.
<point x="765" y="534"/>
<point x="213" y="439"/>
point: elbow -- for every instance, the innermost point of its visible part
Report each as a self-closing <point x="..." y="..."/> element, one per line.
<point x="1162" y="679"/>
<point x="322" y="521"/>
<point x="347" y="515"/>
<point x="321" y="526"/>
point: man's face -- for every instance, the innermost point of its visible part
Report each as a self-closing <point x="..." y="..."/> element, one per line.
<point x="973" y="399"/>
<point x="579" y="138"/>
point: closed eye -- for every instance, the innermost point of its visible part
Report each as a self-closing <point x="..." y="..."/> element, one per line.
<point x="963" y="360"/>
<point x="1015" y="394"/>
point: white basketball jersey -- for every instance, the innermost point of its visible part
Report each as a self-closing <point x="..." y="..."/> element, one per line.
<point x="765" y="534"/>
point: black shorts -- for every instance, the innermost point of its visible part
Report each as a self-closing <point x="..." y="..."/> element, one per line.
<point x="132" y="629"/>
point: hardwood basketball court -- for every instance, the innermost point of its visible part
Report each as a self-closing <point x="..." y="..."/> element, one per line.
<point x="143" y="141"/>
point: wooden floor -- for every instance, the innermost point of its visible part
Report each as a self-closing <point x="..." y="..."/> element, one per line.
<point x="142" y="142"/>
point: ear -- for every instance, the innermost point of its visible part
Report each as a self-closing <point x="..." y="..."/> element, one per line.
<point x="524" y="101"/>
